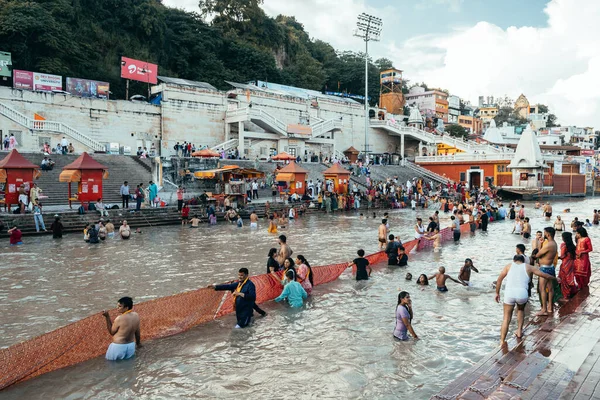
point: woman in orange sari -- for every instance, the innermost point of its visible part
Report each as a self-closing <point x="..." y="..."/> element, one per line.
<point x="583" y="268"/>
<point x="566" y="274"/>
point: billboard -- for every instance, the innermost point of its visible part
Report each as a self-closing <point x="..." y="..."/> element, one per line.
<point x="28" y="80"/>
<point x="138" y="70"/>
<point x="87" y="88"/>
<point x="5" y="62"/>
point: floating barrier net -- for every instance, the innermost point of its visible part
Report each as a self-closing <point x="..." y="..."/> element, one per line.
<point x="162" y="317"/>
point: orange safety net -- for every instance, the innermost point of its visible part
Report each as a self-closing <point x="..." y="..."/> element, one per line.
<point x="162" y="317"/>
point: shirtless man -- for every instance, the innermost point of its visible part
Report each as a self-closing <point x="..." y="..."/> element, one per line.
<point x="538" y="240"/>
<point x="526" y="229"/>
<point x="547" y="210"/>
<point x="546" y="257"/>
<point x="464" y="275"/>
<point x="437" y="239"/>
<point x="195" y="222"/>
<point x="436" y="218"/>
<point x="125" y="331"/>
<point x="110" y="229"/>
<point x="253" y="220"/>
<point x="125" y="230"/>
<point x="440" y="279"/>
<point x="559" y="224"/>
<point x="284" y="250"/>
<point x="382" y="234"/>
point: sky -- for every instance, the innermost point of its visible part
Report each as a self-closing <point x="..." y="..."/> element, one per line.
<point x="545" y="49"/>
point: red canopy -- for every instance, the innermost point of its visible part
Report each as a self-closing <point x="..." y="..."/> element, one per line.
<point x="14" y="160"/>
<point x="336" y="169"/>
<point x="206" y="153"/>
<point x="293" y="168"/>
<point x="85" y="161"/>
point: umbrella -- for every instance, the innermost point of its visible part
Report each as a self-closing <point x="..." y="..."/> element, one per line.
<point x="206" y="153"/>
<point x="283" y="156"/>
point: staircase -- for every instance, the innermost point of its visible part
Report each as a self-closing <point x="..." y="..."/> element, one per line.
<point x="50" y="126"/>
<point x="228" y="145"/>
<point x="467" y="146"/>
<point x="421" y="171"/>
<point x="270" y="123"/>
<point x="120" y="169"/>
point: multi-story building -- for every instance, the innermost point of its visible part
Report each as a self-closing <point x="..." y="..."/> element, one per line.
<point x="472" y="124"/>
<point x="523" y="108"/>
<point x="453" y="109"/>
<point x="431" y="103"/>
<point x="487" y="113"/>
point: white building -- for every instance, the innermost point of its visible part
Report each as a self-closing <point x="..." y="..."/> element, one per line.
<point x="453" y="109"/>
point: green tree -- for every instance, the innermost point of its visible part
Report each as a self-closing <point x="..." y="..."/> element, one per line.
<point x="384" y="63"/>
<point x="456" y="130"/>
<point x="551" y="122"/>
<point x="508" y="114"/>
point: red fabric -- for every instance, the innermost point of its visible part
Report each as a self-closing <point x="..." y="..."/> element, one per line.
<point x="15" y="236"/>
<point x="567" y="273"/>
<point x="583" y="267"/>
<point x="85" y="161"/>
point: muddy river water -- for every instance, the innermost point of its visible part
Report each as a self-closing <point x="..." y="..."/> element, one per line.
<point x="339" y="345"/>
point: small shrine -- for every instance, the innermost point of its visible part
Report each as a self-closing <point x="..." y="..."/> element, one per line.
<point x="339" y="176"/>
<point x="528" y="164"/>
<point x="295" y="177"/>
<point x="88" y="173"/>
<point x="16" y="173"/>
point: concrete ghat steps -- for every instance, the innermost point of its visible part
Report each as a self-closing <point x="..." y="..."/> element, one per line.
<point x="74" y="222"/>
<point x="120" y="168"/>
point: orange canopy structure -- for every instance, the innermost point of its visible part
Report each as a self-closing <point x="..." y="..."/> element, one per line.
<point x="339" y="176"/>
<point x="206" y="153"/>
<point x="16" y="170"/>
<point x="352" y="154"/>
<point x="89" y="174"/>
<point x="283" y="156"/>
<point x="295" y="176"/>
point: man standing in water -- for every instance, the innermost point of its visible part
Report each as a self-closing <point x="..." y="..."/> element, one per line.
<point x="253" y="220"/>
<point x="517" y="276"/>
<point x="546" y="257"/>
<point x="125" y="331"/>
<point x="244" y="297"/>
<point x="284" y="250"/>
<point x="382" y="234"/>
<point x="547" y="210"/>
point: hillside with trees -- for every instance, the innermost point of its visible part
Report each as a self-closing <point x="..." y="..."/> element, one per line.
<point x="86" y="38"/>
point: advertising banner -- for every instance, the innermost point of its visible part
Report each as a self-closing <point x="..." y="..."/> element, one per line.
<point x="28" y="80"/>
<point x="22" y="79"/>
<point x="87" y="88"/>
<point x="139" y="70"/>
<point x="587" y="152"/>
<point x="46" y="81"/>
<point x="5" y="62"/>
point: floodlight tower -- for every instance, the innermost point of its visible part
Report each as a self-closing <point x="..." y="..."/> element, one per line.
<point x="368" y="29"/>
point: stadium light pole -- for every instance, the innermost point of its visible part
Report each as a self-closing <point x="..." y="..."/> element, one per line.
<point x="368" y="29"/>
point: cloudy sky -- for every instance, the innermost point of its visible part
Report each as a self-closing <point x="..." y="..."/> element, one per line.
<point x="546" y="49"/>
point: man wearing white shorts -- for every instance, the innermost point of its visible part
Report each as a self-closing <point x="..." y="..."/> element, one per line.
<point x="516" y="293"/>
<point x="253" y="220"/>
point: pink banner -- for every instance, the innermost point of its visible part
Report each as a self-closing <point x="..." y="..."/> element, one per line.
<point x="22" y="79"/>
<point x="139" y="70"/>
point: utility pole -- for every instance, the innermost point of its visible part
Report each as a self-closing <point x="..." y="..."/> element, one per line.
<point x="368" y="29"/>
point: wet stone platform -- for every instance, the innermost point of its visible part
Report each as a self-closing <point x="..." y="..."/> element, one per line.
<point x="558" y="358"/>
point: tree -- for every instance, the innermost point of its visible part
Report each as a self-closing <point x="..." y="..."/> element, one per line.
<point x="383" y="64"/>
<point x="551" y="121"/>
<point x="456" y="130"/>
<point x="508" y="114"/>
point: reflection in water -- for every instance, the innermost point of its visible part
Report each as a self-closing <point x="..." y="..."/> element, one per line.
<point x="339" y="345"/>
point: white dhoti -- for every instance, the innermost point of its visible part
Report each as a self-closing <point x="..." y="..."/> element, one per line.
<point x="118" y="351"/>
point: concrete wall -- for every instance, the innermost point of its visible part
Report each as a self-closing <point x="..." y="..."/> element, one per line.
<point x="124" y="122"/>
<point x="189" y="114"/>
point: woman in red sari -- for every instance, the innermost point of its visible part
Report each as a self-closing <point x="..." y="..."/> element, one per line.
<point x="566" y="274"/>
<point x="583" y="268"/>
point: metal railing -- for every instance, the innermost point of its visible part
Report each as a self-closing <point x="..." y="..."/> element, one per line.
<point x="426" y="173"/>
<point x="230" y="144"/>
<point x="465" y="145"/>
<point x="323" y="127"/>
<point x="494" y="157"/>
<point x="52" y="126"/>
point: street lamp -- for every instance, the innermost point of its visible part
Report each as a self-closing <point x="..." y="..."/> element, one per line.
<point x="368" y="29"/>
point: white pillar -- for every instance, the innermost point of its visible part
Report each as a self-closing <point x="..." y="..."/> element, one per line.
<point x="241" y="140"/>
<point x="420" y="148"/>
<point x="402" y="148"/>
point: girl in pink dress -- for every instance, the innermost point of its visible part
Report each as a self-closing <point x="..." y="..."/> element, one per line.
<point x="304" y="271"/>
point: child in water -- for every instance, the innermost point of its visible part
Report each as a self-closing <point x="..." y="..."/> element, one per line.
<point x="440" y="279"/>
<point x="465" y="272"/>
<point x="239" y="221"/>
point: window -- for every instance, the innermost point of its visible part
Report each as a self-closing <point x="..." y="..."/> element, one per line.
<point x="463" y="177"/>
<point x="263" y="151"/>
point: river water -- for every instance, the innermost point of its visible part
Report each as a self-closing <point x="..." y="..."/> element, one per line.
<point x="339" y="345"/>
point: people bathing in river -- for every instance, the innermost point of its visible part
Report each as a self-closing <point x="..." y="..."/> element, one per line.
<point x="546" y="257"/>
<point x="422" y="280"/>
<point x="402" y="257"/>
<point x="440" y="279"/>
<point x="305" y="276"/>
<point x="285" y="251"/>
<point x="464" y="276"/>
<point x="516" y="292"/>
<point x="195" y="221"/>
<point x="404" y="316"/>
<point x="437" y="239"/>
<point x="15" y="238"/>
<point x="292" y="291"/>
<point x="392" y="250"/>
<point x="559" y="224"/>
<point x="363" y="270"/>
<point x="272" y="264"/>
<point x="288" y="265"/>
<point x="125" y="331"/>
<point x="244" y="297"/>
<point x="125" y="230"/>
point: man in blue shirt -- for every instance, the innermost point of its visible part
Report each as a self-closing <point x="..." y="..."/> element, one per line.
<point x="293" y="291"/>
<point x="244" y="295"/>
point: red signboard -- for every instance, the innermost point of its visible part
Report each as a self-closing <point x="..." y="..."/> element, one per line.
<point x="138" y="70"/>
<point x="22" y="79"/>
<point x="587" y="152"/>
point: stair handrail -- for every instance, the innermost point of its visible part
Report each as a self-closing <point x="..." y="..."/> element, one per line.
<point x="43" y="125"/>
<point x="226" y="145"/>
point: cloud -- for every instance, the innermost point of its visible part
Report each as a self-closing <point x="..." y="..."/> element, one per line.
<point x="558" y="64"/>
